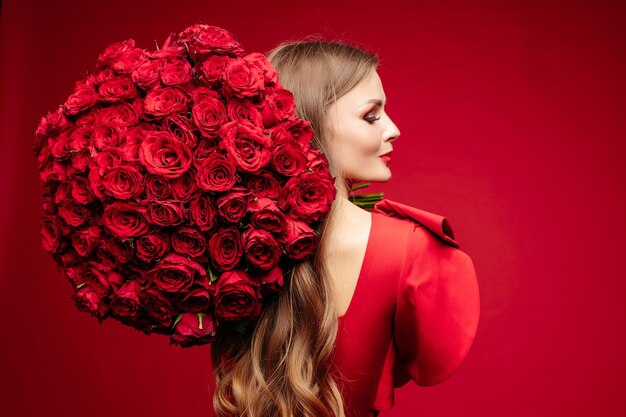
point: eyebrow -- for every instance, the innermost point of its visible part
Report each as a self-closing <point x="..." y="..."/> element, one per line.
<point x="371" y="100"/>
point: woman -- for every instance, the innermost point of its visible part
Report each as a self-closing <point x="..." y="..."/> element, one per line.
<point x="389" y="297"/>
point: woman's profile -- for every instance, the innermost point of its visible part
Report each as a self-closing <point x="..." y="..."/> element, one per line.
<point x="388" y="298"/>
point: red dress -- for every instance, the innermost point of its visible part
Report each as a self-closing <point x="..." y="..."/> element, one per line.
<point x="414" y="313"/>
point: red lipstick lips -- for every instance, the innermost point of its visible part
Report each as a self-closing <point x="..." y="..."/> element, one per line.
<point x="386" y="157"/>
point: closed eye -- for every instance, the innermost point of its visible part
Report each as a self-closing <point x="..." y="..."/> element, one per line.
<point x="372" y="119"/>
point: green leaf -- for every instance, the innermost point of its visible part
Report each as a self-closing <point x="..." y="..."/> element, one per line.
<point x="180" y="316"/>
<point x="212" y="275"/>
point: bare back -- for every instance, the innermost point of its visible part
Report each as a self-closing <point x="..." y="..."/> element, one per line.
<point x="348" y="242"/>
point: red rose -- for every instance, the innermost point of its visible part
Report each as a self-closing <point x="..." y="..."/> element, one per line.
<point x="114" y="51"/>
<point x="300" y="240"/>
<point x="246" y="144"/>
<point x="46" y="171"/>
<point x="117" y="89"/>
<point x="182" y="129"/>
<point x="129" y="60"/>
<point x="105" y="136"/>
<point x="86" y="240"/>
<point x="124" y="220"/>
<point x="237" y="296"/>
<point x="80" y="161"/>
<point x="125" y="302"/>
<point x="52" y="231"/>
<point x="122" y="114"/>
<point x="67" y="256"/>
<point x="216" y="173"/>
<point x="63" y="146"/>
<point x="288" y="159"/>
<point x="189" y="241"/>
<point x="134" y="137"/>
<point x="165" y="213"/>
<point x="62" y="192"/>
<point x="123" y="181"/>
<point x="95" y="183"/>
<point x="73" y="213"/>
<point x="50" y="125"/>
<point x="147" y="74"/>
<point x="272" y="280"/>
<point x="103" y="161"/>
<point x="81" y="190"/>
<point x="208" y="111"/>
<point x="157" y="188"/>
<point x="82" y="99"/>
<point x="101" y="75"/>
<point x="157" y="306"/>
<point x="239" y="109"/>
<point x="210" y="71"/>
<point x="279" y="105"/>
<point x="206" y="147"/>
<point x="266" y="214"/>
<point x="184" y="187"/>
<point x="88" y="301"/>
<point x="264" y="184"/>
<point x="203" y="39"/>
<point x="309" y="196"/>
<point x="152" y="246"/>
<point x="242" y="79"/>
<point x="196" y="301"/>
<point x="262" y="250"/>
<point x="317" y="162"/>
<point x="102" y="279"/>
<point x="82" y="138"/>
<point x="112" y="253"/>
<point x="176" y="71"/>
<point x="297" y="130"/>
<point x="225" y="248"/>
<point x="165" y="101"/>
<point x="162" y="154"/>
<point x="194" y="329"/>
<point x="270" y="75"/>
<point x="175" y="273"/>
<point x="233" y="205"/>
<point x="171" y="48"/>
<point x="202" y="212"/>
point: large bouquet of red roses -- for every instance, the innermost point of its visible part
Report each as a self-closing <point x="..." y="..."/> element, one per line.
<point x="179" y="186"/>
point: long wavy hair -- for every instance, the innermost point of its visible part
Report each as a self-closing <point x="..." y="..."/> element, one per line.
<point x="282" y="367"/>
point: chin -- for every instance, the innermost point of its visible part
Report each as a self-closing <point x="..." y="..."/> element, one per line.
<point x="379" y="178"/>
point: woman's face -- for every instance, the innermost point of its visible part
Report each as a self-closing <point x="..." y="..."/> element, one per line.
<point x="363" y="131"/>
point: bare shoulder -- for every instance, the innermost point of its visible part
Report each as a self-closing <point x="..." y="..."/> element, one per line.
<point x="351" y="230"/>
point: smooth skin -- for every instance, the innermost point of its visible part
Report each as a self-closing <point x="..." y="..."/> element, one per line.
<point x="363" y="132"/>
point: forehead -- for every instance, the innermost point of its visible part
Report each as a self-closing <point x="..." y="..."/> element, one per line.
<point x="370" y="87"/>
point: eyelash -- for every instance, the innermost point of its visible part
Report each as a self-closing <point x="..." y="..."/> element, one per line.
<point x="370" y="121"/>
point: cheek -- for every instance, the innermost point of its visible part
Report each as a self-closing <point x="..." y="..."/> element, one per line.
<point x="359" y="152"/>
<point x="362" y="146"/>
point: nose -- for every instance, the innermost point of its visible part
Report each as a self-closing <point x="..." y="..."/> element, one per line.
<point x="392" y="131"/>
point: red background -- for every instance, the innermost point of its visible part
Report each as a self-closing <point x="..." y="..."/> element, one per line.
<point x="512" y="121"/>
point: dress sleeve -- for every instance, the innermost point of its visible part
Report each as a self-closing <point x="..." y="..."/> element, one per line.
<point x="437" y="310"/>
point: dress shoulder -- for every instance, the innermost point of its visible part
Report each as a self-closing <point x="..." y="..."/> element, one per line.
<point x="437" y="305"/>
<point x="435" y="223"/>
